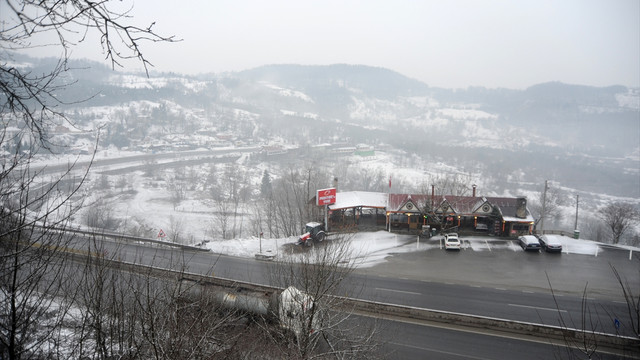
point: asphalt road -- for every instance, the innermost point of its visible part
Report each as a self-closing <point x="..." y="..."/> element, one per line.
<point x="402" y="340"/>
<point x="507" y="285"/>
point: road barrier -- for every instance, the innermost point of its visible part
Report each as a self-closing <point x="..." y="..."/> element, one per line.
<point x="561" y="335"/>
<point x="129" y="238"/>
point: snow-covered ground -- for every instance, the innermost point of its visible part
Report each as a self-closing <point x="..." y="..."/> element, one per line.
<point x="145" y="207"/>
<point x="372" y="248"/>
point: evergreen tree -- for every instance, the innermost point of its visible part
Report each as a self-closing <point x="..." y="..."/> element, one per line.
<point x="265" y="187"/>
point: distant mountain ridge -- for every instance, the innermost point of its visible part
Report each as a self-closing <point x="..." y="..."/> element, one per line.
<point x="499" y="129"/>
<point x="371" y="81"/>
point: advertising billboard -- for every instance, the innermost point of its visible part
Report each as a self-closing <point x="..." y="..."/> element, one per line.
<point x="326" y="197"/>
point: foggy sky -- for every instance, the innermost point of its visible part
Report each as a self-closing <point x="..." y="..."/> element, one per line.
<point x="452" y="44"/>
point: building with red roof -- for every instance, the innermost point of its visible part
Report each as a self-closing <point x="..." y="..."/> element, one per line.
<point x="499" y="216"/>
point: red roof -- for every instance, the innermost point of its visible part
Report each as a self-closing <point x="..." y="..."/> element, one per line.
<point x="459" y="204"/>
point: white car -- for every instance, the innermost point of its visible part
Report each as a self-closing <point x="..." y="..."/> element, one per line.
<point x="452" y="241"/>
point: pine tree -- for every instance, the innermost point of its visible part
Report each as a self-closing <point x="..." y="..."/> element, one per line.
<point x="265" y="187"/>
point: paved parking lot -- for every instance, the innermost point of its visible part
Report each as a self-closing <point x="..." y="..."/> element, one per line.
<point x="501" y="263"/>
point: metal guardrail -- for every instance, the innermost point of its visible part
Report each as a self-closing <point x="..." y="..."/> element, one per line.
<point x="613" y="342"/>
<point x="510" y="327"/>
<point x="131" y="238"/>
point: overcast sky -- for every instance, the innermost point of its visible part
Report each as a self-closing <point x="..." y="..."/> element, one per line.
<point x="453" y="44"/>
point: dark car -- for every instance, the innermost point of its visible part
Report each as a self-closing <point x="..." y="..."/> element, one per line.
<point x="550" y="243"/>
<point x="529" y="243"/>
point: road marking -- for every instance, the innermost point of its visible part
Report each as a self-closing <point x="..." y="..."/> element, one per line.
<point x="501" y="289"/>
<point x="466" y="356"/>
<point x="488" y="247"/>
<point x="537" y="308"/>
<point x="400" y="291"/>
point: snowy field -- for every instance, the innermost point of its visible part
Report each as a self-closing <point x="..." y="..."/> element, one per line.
<point x="145" y="206"/>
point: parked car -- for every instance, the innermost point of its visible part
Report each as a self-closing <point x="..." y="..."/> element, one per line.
<point x="529" y="243"/>
<point x="550" y="243"/>
<point x="452" y="242"/>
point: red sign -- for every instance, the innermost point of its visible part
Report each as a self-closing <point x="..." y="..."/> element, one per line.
<point x="326" y="197"/>
<point x="161" y="234"/>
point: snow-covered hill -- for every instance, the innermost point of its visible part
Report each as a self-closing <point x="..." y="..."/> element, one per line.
<point x="505" y="141"/>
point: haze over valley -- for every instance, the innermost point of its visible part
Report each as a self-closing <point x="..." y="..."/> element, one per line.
<point x="360" y="124"/>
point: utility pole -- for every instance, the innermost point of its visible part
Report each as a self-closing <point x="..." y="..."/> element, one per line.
<point x="544" y="205"/>
<point x="575" y="227"/>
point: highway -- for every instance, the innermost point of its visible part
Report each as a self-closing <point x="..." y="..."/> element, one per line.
<point x="158" y="159"/>
<point x="404" y="340"/>
<point x="407" y="283"/>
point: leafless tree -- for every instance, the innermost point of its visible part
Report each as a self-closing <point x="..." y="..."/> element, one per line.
<point x="369" y="180"/>
<point x="233" y="191"/>
<point x="130" y="312"/>
<point x="34" y="211"/>
<point x="593" y="228"/>
<point x="266" y="216"/>
<point x="619" y="217"/>
<point x="103" y="183"/>
<point x="456" y="185"/>
<point x="176" y="319"/>
<point x="586" y="343"/>
<point x="178" y="191"/>
<point x="122" y="183"/>
<point x="99" y="215"/>
<point x="151" y="169"/>
<point x="589" y="323"/>
<point x="99" y="329"/>
<point x="33" y="219"/>
<point x="327" y="329"/>
<point x="290" y="206"/>
<point x="32" y="97"/>
<point x="632" y="299"/>
<point x="286" y="214"/>
<point x="220" y="222"/>
<point x="551" y="203"/>
<point x="259" y="218"/>
<point x="176" y="227"/>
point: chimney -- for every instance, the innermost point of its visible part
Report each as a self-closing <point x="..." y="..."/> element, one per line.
<point x="474" y="190"/>
<point x="521" y="207"/>
<point x="433" y="194"/>
<point x="335" y="183"/>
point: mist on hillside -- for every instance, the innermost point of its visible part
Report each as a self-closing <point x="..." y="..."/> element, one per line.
<point x="362" y="125"/>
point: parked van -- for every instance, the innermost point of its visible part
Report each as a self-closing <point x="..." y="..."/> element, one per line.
<point x="529" y="243"/>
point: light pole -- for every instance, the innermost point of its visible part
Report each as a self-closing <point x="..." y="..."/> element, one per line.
<point x="544" y="204"/>
<point x="575" y="227"/>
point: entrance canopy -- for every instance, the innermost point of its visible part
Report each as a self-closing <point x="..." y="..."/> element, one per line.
<point x="353" y="199"/>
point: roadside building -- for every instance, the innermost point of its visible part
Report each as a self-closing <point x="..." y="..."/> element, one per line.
<point x="498" y="216"/>
<point x="358" y="209"/>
